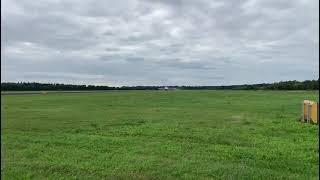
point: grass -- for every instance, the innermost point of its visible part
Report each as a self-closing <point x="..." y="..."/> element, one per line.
<point x="158" y="135"/>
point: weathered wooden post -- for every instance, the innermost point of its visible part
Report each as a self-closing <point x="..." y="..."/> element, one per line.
<point x="310" y="112"/>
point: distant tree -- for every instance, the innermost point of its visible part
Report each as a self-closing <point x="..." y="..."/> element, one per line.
<point x="285" y="85"/>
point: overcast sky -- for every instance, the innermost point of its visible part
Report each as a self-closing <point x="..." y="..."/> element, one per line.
<point x="168" y="42"/>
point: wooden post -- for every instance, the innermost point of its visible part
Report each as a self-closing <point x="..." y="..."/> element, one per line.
<point x="302" y="116"/>
<point x="308" y="112"/>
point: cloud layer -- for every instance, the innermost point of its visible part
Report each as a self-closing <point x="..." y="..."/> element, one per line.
<point x="168" y="42"/>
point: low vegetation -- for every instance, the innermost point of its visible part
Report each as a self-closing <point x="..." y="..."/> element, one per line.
<point x="158" y="135"/>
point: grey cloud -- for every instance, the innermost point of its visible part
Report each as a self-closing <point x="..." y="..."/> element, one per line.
<point x="171" y="42"/>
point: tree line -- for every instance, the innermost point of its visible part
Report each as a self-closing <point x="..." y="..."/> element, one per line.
<point x="283" y="85"/>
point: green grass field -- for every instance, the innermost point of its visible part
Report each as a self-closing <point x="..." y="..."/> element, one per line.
<point x="158" y="135"/>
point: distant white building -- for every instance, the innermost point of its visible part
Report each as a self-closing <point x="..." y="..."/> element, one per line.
<point x="166" y="88"/>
